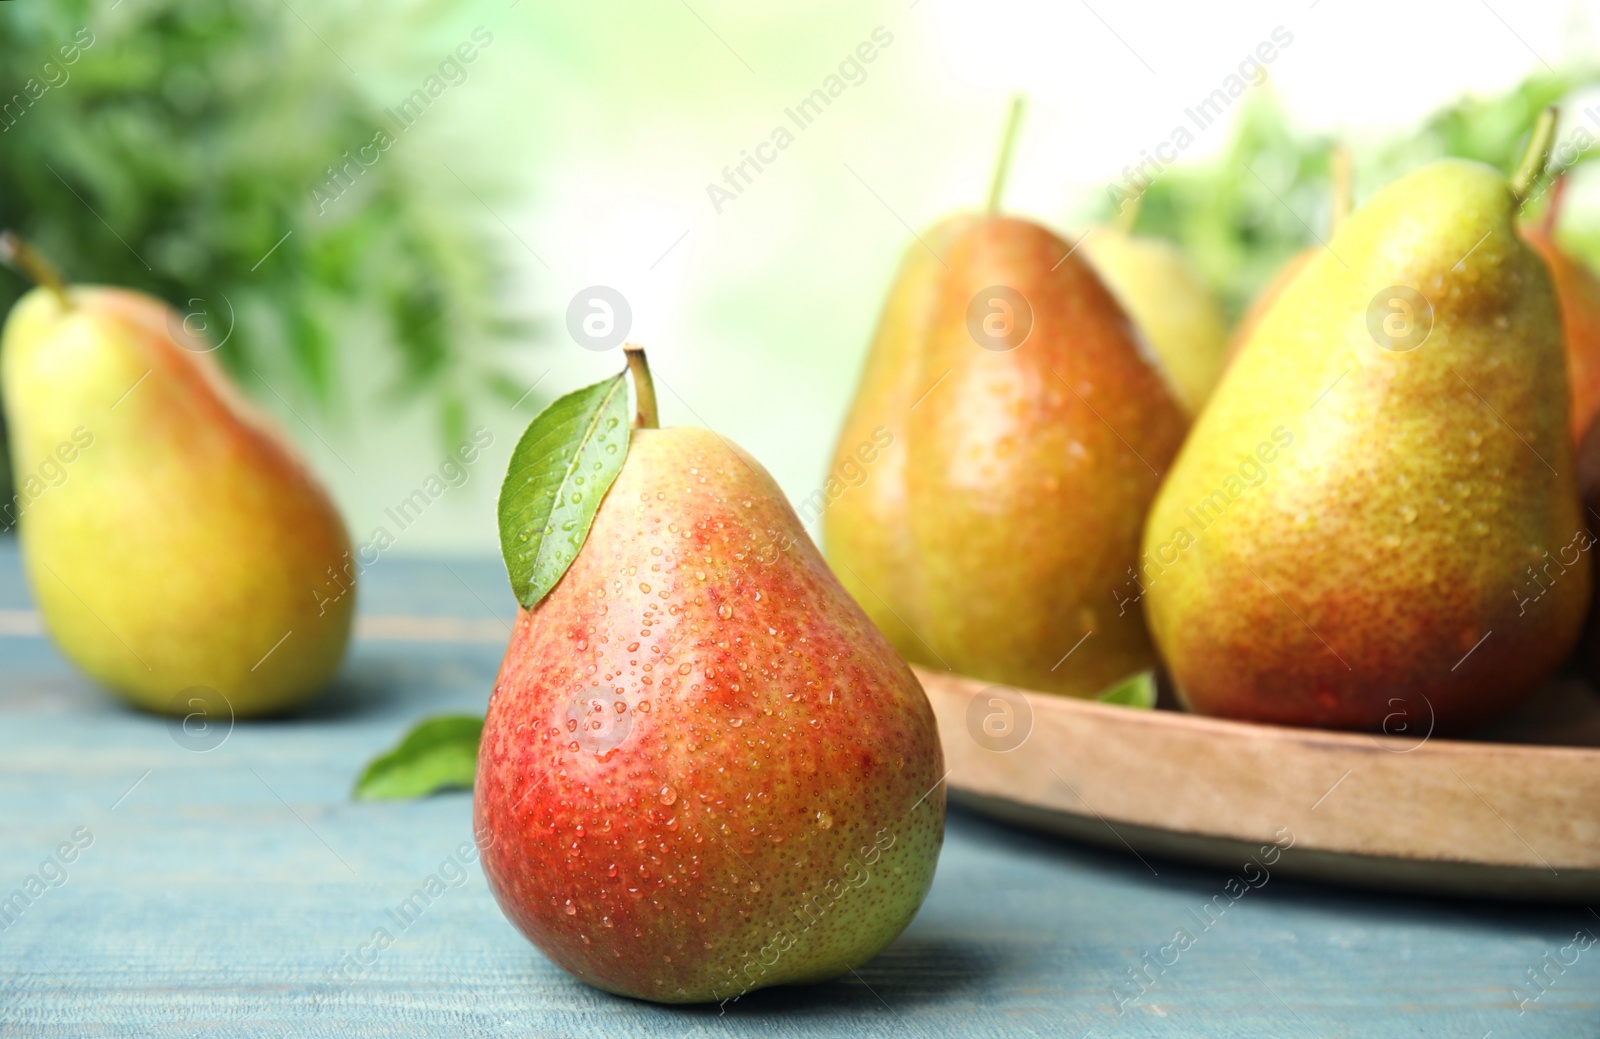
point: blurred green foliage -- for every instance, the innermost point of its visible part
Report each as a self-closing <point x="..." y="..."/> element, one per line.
<point x="1242" y="216"/>
<point x="181" y="145"/>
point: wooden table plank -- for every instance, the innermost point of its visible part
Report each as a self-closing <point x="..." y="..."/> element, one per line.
<point x="231" y="892"/>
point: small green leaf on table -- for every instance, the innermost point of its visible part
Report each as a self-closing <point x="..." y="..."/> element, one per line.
<point x="1137" y="691"/>
<point x="565" y="462"/>
<point x="438" y="754"/>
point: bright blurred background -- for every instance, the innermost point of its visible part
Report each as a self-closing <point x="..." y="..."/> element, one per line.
<point x="187" y="149"/>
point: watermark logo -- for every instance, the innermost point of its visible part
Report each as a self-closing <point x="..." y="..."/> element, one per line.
<point x="598" y="721"/>
<point x="201" y="719"/>
<point x="1399" y="318"/>
<point x="999" y="719"/>
<point x="1408" y="721"/>
<point x="999" y="318"/>
<point x="599" y="318"/>
<point x="193" y="327"/>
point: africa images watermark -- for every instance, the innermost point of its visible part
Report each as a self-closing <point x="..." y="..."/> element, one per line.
<point x="1542" y="977"/>
<point x="52" y="74"/>
<point x="341" y="176"/>
<point x="1251" y="72"/>
<point x="809" y="913"/>
<point x="851" y="72"/>
<point x="853" y="471"/>
<point x="452" y="872"/>
<point x="52" y="873"/>
<point x="1252" y="876"/>
<point x="1567" y="152"/>
<point x="1581" y="542"/>
<point x="52" y="472"/>
<point x="1253" y="471"/>
<point x="454" y="471"/>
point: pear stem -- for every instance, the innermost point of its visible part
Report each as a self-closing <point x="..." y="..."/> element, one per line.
<point x="1537" y="154"/>
<point x="26" y="260"/>
<point x="644" y="387"/>
<point x="1002" y="164"/>
<point x="1343" y="179"/>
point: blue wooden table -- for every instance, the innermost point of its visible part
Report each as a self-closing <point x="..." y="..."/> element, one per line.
<point x="236" y="889"/>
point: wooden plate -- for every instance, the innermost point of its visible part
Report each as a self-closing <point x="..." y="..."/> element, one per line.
<point x="1512" y="813"/>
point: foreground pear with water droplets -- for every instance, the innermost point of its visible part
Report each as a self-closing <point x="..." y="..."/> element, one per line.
<point x="703" y="770"/>
<point x="1374" y="523"/>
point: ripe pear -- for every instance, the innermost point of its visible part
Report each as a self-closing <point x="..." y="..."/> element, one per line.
<point x="1170" y="304"/>
<point x="703" y="770"/>
<point x="863" y="531"/>
<point x="179" y="550"/>
<point x="1578" y="293"/>
<point x="1364" y="527"/>
<point x="1026" y="432"/>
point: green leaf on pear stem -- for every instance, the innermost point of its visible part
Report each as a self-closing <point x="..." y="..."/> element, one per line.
<point x="565" y="462"/>
<point x="1136" y="691"/>
<point x="439" y="753"/>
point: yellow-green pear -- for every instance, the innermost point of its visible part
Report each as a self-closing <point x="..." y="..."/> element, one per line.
<point x="1374" y="523"/>
<point x="1170" y="304"/>
<point x="178" y="548"/>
